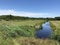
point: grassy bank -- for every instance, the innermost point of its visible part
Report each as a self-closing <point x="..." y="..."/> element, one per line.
<point x="13" y="29"/>
<point x="22" y="28"/>
<point x="56" y="30"/>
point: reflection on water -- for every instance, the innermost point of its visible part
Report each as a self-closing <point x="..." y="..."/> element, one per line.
<point x="45" y="32"/>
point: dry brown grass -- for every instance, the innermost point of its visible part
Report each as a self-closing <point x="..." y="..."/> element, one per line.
<point x="34" y="41"/>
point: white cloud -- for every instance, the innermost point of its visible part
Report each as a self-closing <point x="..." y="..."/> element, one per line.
<point x="22" y="13"/>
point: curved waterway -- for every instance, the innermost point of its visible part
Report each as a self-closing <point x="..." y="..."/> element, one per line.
<point x="45" y="32"/>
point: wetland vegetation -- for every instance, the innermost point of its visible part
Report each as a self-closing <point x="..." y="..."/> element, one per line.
<point x="15" y="30"/>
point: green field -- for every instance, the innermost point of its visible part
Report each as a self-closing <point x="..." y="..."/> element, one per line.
<point x="22" y="32"/>
<point x="23" y="28"/>
<point x="13" y="29"/>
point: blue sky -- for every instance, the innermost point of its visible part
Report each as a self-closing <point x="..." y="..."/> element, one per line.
<point x="31" y="8"/>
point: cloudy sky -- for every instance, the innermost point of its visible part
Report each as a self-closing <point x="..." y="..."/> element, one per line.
<point x="30" y="8"/>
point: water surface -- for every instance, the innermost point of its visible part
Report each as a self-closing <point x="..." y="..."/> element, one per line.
<point x="45" y="32"/>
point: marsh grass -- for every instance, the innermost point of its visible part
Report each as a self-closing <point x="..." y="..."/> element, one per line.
<point x="56" y="30"/>
<point x="22" y="33"/>
<point x="14" y="29"/>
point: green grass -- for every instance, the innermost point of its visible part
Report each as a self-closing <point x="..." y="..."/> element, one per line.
<point x="14" y="29"/>
<point x="22" y="33"/>
<point x="22" y="28"/>
<point x="56" y="30"/>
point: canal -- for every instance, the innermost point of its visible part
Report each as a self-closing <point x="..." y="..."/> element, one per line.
<point x="45" y="32"/>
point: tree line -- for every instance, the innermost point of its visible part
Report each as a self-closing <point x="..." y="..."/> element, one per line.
<point x="11" y="17"/>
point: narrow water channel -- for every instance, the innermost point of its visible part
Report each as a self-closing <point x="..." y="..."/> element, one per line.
<point x="45" y="32"/>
